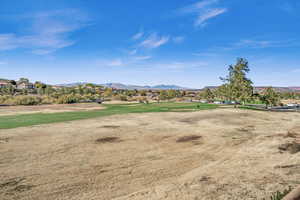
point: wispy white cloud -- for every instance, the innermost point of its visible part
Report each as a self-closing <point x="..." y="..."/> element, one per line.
<point x="178" y="39"/>
<point x="255" y="43"/>
<point x="49" y="32"/>
<point x="132" y="52"/>
<point x="147" y="62"/>
<point x="208" y="14"/>
<point x="154" y="41"/>
<point x="3" y="63"/>
<point x="115" y="62"/>
<point x="8" y="41"/>
<point x="194" y="8"/>
<point x="142" y="58"/>
<point x="138" y="35"/>
<point x="175" y="65"/>
<point x="296" y="70"/>
<point x="204" y="11"/>
<point x="205" y="54"/>
<point x="42" y="51"/>
<point x="249" y="43"/>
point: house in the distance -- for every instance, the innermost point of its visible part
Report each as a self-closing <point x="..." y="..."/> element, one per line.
<point x="24" y="84"/>
<point x="4" y="84"/>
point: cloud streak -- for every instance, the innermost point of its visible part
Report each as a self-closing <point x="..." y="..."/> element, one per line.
<point x="49" y="32"/>
<point x="260" y="44"/>
<point x="204" y="11"/>
<point x="209" y="14"/>
<point x="178" y="39"/>
<point x="154" y="41"/>
<point x="138" y="35"/>
<point x="142" y="58"/>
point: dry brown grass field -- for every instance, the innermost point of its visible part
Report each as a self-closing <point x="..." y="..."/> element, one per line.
<point x="210" y="154"/>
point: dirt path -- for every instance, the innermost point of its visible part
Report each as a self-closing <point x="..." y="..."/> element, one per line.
<point x="213" y="154"/>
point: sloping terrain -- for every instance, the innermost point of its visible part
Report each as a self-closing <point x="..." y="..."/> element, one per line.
<point x="211" y="154"/>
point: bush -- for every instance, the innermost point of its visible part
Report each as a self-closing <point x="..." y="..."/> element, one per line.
<point x="120" y="97"/>
<point x="48" y="100"/>
<point x="123" y="98"/>
<point x="68" y="99"/>
<point x="4" y="98"/>
<point x="24" y="100"/>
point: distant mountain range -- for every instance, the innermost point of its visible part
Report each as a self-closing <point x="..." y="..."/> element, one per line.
<point x="130" y="87"/>
<point x="174" y="87"/>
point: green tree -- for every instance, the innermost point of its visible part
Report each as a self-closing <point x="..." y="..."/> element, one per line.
<point x="239" y="87"/>
<point x="13" y="82"/>
<point x="24" y="80"/>
<point x="171" y="94"/>
<point x="208" y="95"/>
<point x="270" y="97"/>
<point x="163" y="95"/>
<point x="223" y="92"/>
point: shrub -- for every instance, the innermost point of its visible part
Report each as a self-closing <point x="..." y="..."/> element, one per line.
<point x="4" y="98"/>
<point x="24" y="100"/>
<point x="120" y="97"/>
<point x="48" y="100"/>
<point x="123" y="98"/>
<point x="68" y="99"/>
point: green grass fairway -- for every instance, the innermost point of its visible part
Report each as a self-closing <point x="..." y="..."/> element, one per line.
<point x="14" y="121"/>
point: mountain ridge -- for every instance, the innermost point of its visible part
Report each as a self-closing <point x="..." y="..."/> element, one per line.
<point x="174" y="87"/>
<point x="130" y="87"/>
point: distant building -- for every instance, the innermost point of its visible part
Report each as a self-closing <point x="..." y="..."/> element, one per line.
<point x="25" y="85"/>
<point x="4" y="84"/>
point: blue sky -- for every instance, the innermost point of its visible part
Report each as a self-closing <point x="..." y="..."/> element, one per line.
<point x="148" y="42"/>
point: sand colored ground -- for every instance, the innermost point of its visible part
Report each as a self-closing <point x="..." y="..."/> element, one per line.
<point x="213" y="154"/>
<point x="52" y="108"/>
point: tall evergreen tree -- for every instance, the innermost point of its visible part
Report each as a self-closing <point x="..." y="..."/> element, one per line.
<point x="238" y="85"/>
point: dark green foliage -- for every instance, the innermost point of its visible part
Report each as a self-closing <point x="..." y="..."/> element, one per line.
<point x="270" y="97"/>
<point x="208" y="95"/>
<point x="237" y="86"/>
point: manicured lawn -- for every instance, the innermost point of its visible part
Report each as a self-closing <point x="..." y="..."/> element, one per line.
<point x="14" y="121"/>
